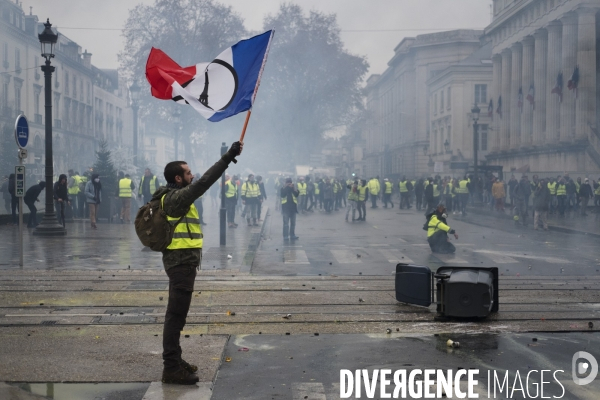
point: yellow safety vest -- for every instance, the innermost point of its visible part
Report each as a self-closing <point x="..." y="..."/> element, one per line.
<point x="436" y="190"/>
<point x="75" y="189"/>
<point x="462" y="187"/>
<point x="231" y="189"/>
<point x="435" y="225"/>
<point x="373" y="186"/>
<point x="552" y="188"/>
<point x="577" y="185"/>
<point x="352" y="195"/>
<point x="125" y="187"/>
<point x="150" y="186"/>
<point x="388" y="187"/>
<point x="301" y="188"/>
<point x="317" y="191"/>
<point x="403" y="188"/>
<point x="561" y="190"/>
<point x="449" y="186"/>
<point x="284" y="199"/>
<point x="597" y="191"/>
<point x="336" y="187"/>
<point x="250" y="190"/>
<point x="188" y="232"/>
<point x="362" y="193"/>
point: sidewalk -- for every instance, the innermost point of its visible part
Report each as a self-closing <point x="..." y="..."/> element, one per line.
<point x="575" y="224"/>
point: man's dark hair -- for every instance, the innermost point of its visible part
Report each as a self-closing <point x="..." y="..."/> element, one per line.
<point x="173" y="169"/>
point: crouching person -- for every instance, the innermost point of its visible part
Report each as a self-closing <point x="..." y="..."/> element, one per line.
<point x="438" y="230"/>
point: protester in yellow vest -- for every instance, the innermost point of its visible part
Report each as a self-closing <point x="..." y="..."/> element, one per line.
<point x="126" y="187"/>
<point x="73" y="190"/>
<point x="374" y="189"/>
<point x="250" y="198"/>
<point x="437" y="231"/>
<point x="302" y="189"/>
<point x="352" y="198"/>
<point x="148" y="185"/>
<point x="231" y="198"/>
<point x="363" y="196"/>
<point x="182" y="257"/>
<point x="387" y="192"/>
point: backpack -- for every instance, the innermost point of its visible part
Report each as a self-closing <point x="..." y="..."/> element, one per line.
<point x="152" y="226"/>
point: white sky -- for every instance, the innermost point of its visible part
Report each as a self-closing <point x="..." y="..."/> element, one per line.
<point x="382" y="24"/>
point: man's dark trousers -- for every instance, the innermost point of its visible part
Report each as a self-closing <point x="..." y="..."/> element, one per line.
<point x="438" y="242"/>
<point x="32" y="223"/>
<point x="289" y="223"/>
<point x="181" y="287"/>
<point x="230" y="203"/>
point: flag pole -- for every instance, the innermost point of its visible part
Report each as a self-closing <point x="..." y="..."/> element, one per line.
<point x="245" y="125"/>
<point x="262" y="68"/>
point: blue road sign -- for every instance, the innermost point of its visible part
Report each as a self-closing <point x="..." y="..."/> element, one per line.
<point x="22" y="131"/>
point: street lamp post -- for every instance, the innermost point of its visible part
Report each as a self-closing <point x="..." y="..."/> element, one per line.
<point x="49" y="225"/>
<point x="176" y="120"/>
<point x="475" y="115"/>
<point x="135" y="89"/>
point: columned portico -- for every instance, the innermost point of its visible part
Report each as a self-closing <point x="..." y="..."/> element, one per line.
<point x="569" y="61"/>
<point x="496" y="88"/>
<point x="506" y="100"/>
<point x="586" y="62"/>
<point x="539" y="114"/>
<point x="515" y="86"/>
<point x="526" y="84"/>
<point x="548" y="51"/>
<point x="553" y="69"/>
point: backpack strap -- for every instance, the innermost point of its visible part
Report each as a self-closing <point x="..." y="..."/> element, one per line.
<point x="162" y="206"/>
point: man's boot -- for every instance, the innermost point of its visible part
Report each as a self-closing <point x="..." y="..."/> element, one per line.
<point x="248" y="221"/>
<point x="179" y="377"/>
<point x="254" y="222"/>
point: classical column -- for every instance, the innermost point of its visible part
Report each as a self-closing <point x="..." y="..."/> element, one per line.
<point x="554" y="67"/>
<point x="496" y="90"/>
<point x="569" y="61"/>
<point x="527" y="83"/>
<point x="515" y="111"/>
<point x="506" y="100"/>
<point x="539" y="81"/>
<point x="586" y="60"/>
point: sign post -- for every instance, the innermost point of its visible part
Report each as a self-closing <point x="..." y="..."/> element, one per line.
<point x="21" y="137"/>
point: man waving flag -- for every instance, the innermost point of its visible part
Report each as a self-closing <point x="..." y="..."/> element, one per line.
<point x="217" y="89"/>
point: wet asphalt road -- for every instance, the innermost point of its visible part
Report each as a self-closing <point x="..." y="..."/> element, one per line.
<point x="550" y="281"/>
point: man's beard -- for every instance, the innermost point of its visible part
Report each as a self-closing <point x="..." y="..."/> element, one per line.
<point x="184" y="183"/>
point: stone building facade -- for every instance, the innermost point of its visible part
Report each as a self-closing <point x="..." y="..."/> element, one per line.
<point x="452" y="94"/>
<point x="89" y="104"/>
<point x="397" y="139"/>
<point x="547" y="50"/>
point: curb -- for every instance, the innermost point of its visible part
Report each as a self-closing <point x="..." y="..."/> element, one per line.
<point x="253" y="245"/>
<point x="556" y="228"/>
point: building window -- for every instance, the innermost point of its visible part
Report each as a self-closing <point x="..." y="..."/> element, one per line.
<point x="435" y="104"/>
<point x="448" y="91"/>
<point x="442" y="101"/>
<point x="66" y="83"/>
<point x="74" y="86"/>
<point x="441" y="144"/>
<point x="18" y="85"/>
<point x="152" y="142"/>
<point x="5" y="86"/>
<point x="480" y="94"/>
<point x="449" y="135"/>
<point x="17" y="58"/>
<point x="5" y="63"/>
<point x="483" y="137"/>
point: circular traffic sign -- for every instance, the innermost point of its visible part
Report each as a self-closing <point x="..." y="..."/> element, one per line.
<point x="22" y="131"/>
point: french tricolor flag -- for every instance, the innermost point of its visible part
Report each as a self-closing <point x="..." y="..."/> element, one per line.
<point x="218" y="89"/>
